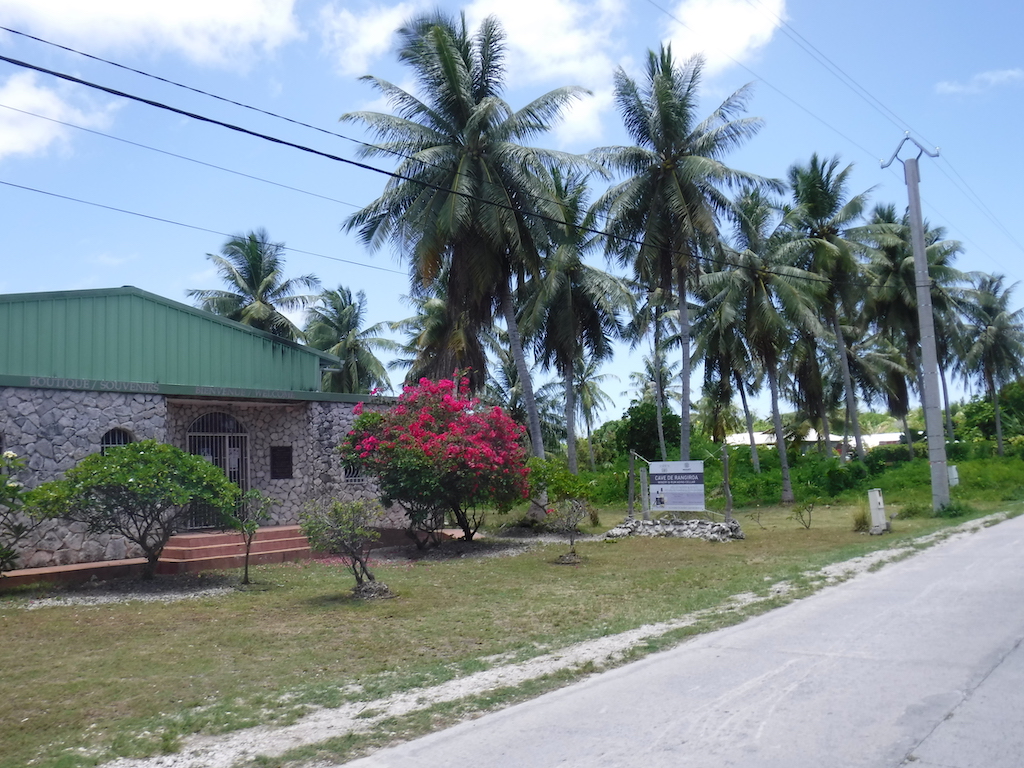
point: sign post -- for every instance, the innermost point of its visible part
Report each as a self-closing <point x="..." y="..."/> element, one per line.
<point x="677" y="486"/>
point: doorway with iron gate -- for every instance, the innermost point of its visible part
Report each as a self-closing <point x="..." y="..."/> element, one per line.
<point x="222" y="440"/>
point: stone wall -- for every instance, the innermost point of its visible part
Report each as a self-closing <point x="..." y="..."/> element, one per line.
<point x="266" y="425"/>
<point x="329" y="423"/>
<point x="53" y="430"/>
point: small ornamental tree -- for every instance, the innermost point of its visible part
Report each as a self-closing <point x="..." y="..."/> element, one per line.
<point x="246" y="517"/>
<point x="14" y="525"/>
<point x="143" y="491"/>
<point x="346" y="528"/>
<point x="440" y="452"/>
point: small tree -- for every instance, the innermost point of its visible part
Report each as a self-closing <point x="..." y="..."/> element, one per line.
<point x="565" y="518"/>
<point x="571" y="498"/>
<point x="346" y="528"/>
<point x="14" y="525"/>
<point x="246" y="518"/>
<point x="143" y="491"/>
<point x="438" y="452"/>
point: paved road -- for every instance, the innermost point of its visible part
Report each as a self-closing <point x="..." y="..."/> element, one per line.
<point x="919" y="663"/>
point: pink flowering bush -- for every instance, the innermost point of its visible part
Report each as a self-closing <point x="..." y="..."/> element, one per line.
<point x="440" y="452"/>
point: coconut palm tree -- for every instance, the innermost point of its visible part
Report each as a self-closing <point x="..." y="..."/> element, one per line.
<point x="770" y="301"/>
<point x="438" y="342"/>
<point x="590" y="398"/>
<point x="505" y="388"/>
<point x="334" y="325"/>
<point x="823" y="218"/>
<point x="996" y="352"/>
<point x="571" y="309"/>
<point x="673" y="192"/>
<point x="456" y="208"/>
<point x="252" y="268"/>
<point x="892" y="293"/>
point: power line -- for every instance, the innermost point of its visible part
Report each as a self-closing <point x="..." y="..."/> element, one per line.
<point x="195" y="227"/>
<point x="336" y="158"/>
<point x="179" y="157"/>
<point x="394" y="152"/>
<point x="838" y="72"/>
<point x="778" y="90"/>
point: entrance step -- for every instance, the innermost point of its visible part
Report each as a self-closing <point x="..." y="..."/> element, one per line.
<point x="194" y="552"/>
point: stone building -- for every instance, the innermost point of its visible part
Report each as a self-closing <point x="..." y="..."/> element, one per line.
<point x="84" y="370"/>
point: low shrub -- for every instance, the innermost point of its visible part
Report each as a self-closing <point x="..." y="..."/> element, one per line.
<point x="958" y="451"/>
<point x="861" y="520"/>
<point x="955" y="509"/>
<point x="884" y="456"/>
<point x="914" y="510"/>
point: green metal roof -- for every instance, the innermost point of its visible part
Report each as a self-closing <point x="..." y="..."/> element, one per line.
<point x="117" y="338"/>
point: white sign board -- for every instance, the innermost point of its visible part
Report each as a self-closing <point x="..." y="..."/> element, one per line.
<point x="677" y="486"/>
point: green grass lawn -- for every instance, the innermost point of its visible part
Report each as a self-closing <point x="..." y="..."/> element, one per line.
<point x="85" y="683"/>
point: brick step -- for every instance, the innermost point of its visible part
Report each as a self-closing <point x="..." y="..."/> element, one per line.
<point x="183" y="553"/>
<point x="210" y="538"/>
<point x="168" y="565"/>
<point x="235" y="546"/>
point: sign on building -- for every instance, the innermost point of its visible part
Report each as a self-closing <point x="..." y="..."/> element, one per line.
<point x="677" y="486"/>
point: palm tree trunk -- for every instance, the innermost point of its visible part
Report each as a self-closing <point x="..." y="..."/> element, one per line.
<point x="999" y="419"/>
<point x="590" y="448"/>
<point x="910" y="438"/>
<point x="684" y="372"/>
<point x="726" y="484"/>
<point x="780" y="442"/>
<point x="570" y="421"/>
<point x="755" y="459"/>
<point x="851" y="396"/>
<point x="950" y="434"/>
<point x="529" y="401"/>
<point x="658" y="397"/>
<point x="826" y="429"/>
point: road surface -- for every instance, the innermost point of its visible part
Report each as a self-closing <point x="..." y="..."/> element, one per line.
<point x="918" y="664"/>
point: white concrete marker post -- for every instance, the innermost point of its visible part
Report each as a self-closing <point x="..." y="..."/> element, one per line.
<point x="879" y="524"/>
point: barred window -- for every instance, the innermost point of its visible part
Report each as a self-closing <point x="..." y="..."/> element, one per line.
<point x="115" y="437"/>
<point x="354" y="473"/>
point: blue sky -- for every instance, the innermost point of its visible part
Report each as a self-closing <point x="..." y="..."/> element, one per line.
<point x="951" y="73"/>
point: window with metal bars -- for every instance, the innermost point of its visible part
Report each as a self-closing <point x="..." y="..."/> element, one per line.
<point x="114" y="437"/>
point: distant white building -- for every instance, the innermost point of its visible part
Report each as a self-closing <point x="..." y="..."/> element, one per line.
<point x="767" y="439"/>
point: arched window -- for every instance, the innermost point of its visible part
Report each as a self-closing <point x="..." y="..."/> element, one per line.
<point x="114" y="437"/>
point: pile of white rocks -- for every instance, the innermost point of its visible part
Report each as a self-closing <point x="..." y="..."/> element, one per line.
<point x="709" y="530"/>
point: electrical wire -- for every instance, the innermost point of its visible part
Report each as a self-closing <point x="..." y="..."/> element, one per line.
<point x="871" y="100"/>
<point x="195" y="227"/>
<point x="395" y="153"/>
<point x="338" y="158"/>
<point x="327" y="155"/>
<point x="179" y="157"/>
<point x="243" y="105"/>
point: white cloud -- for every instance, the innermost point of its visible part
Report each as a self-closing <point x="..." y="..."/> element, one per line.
<point x="983" y="81"/>
<point x="27" y="135"/>
<point x="217" y="32"/>
<point x="582" y="125"/>
<point x="725" y="31"/>
<point x="563" y="42"/>
<point x="355" y="41"/>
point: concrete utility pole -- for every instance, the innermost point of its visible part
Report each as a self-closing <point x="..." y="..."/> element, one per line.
<point x="926" y="319"/>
